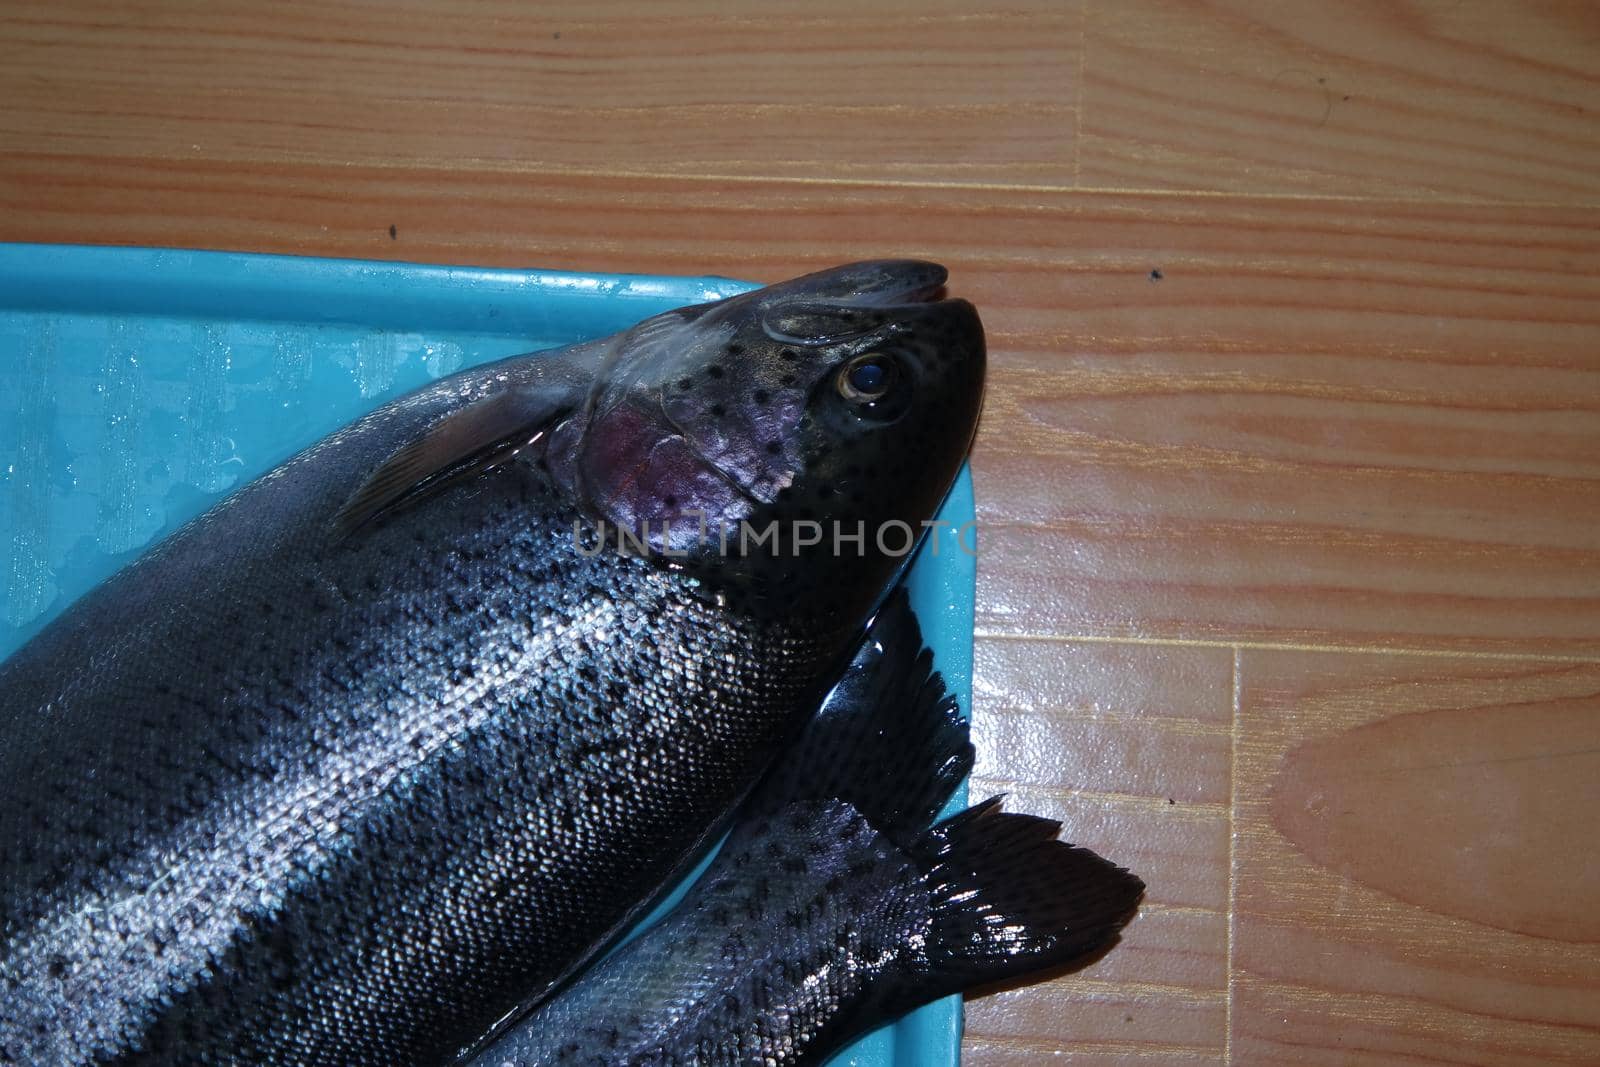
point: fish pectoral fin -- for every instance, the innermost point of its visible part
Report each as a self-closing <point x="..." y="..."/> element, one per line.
<point x="470" y="441"/>
<point x="889" y="739"/>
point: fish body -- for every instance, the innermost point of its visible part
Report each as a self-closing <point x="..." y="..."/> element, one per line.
<point x="387" y="744"/>
<point x="833" y="906"/>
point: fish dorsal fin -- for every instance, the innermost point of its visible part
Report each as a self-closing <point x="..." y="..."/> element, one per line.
<point x="470" y="440"/>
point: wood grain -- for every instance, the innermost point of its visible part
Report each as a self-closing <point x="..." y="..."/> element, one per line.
<point x="895" y="89"/>
<point x="1421" y="99"/>
<point x="1288" y="476"/>
<point x="1130" y="747"/>
<point x="1413" y="868"/>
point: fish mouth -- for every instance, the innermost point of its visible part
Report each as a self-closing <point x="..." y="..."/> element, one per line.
<point x="874" y="283"/>
<point x="933" y="293"/>
<point x="855" y="301"/>
<point x="906" y="282"/>
<point x="897" y="282"/>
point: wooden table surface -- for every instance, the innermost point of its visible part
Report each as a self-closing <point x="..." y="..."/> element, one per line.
<point x="1290" y="469"/>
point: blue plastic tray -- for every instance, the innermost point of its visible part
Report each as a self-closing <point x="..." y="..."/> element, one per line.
<point x="140" y="386"/>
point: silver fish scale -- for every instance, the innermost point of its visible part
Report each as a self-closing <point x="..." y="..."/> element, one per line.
<point x="417" y="803"/>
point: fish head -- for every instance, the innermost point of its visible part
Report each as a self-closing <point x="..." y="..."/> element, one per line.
<point x="786" y="445"/>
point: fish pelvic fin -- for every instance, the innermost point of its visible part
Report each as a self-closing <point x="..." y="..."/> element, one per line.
<point x="1007" y="900"/>
<point x="469" y="441"/>
<point x="889" y="739"/>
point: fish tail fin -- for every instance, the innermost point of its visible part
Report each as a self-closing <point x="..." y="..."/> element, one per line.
<point x="1008" y="899"/>
<point x="889" y="739"/>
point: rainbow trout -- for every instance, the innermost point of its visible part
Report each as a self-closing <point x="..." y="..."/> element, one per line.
<point x="389" y="743"/>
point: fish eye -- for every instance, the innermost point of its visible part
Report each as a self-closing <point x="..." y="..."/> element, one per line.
<point x="866" y="378"/>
